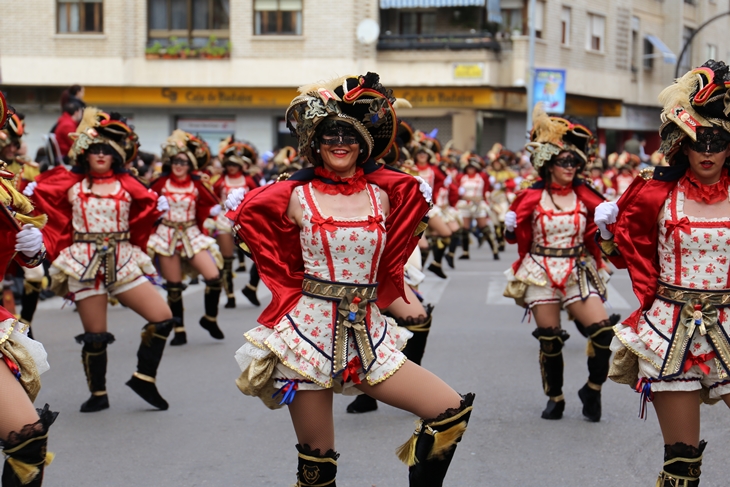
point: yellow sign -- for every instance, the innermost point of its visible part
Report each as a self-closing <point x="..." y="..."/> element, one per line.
<point x="469" y="71"/>
<point x="190" y="97"/>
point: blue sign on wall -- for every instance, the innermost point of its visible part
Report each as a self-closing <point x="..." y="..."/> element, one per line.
<point x="549" y="88"/>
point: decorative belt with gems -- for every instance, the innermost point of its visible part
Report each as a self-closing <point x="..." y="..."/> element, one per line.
<point x="576" y="251"/>
<point x="585" y="270"/>
<point x="351" y="312"/>
<point x="105" y="252"/>
<point x="180" y="235"/>
<point x="699" y="312"/>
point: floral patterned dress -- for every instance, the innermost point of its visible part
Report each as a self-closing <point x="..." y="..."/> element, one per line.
<point x="92" y="213"/>
<point x="342" y="250"/>
<point x="471" y="197"/>
<point x="693" y="253"/>
<point x="222" y="223"/>
<point x="179" y="232"/>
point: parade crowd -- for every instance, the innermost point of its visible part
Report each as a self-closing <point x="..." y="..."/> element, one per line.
<point x="343" y="229"/>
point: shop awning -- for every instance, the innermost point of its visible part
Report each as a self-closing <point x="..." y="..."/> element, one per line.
<point x="666" y="53"/>
<point x="430" y="3"/>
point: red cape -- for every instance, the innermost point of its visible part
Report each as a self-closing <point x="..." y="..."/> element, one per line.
<point x="526" y="202"/>
<point x="205" y="202"/>
<point x="51" y="197"/>
<point x="637" y="236"/>
<point x="273" y="240"/>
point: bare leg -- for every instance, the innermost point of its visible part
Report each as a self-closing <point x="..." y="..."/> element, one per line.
<point x="92" y="311"/>
<point x="438" y="227"/>
<point x="225" y="242"/>
<point x="416" y="390"/>
<point x="547" y="315"/>
<point x="171" y="268"/>
<point x="17" y="410"/>
<point x="726" y="398"/>
<point x="204" y="263"/>
<point x="679" y="416"/>
<point x="146" y="302"/>
<point x="311" y="415"/>
<point x="589" y="311"/>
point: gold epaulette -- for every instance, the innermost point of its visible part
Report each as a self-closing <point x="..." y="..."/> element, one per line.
<point x="526" y="183"/>
<point x="283" y="177"/>
<point x="647" y="173"/>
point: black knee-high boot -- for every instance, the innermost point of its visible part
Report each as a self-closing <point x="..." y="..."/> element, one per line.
<point x="253" y="284"/>
<point x="209" y="321"/>
<point x="439" y="245"/>
<point x="149" y="354"/>
<point x="425" y="252"/>
<point x="430" y="449"/>
<point x="599" y="354"/>
<point x="453" y="244"/>
<point x="551" y="367"/>
<point x="420" y="327"/>
<point x="29" y="302"/>
<point x="489" y="236"/>
<point x="241" y="260"/>
<point x="94" y="360"/>
<point x="681" y="465"/>
<point x="26" y="454"/>
<point x="464" y="244"/>
<point x="499" y="231"/>
<point x="228" y="281"/>
<point x="175" y="302"/>
<point x="316" y="469"/>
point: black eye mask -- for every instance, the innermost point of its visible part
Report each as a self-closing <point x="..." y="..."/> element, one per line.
<point x="339" y="136"/>
<point x="710" y="142"/>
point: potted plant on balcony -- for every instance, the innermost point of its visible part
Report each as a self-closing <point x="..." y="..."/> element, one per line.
<point x="154" y="51"/>
<point x="174" y="49"/>
<point x="212" y="50"/>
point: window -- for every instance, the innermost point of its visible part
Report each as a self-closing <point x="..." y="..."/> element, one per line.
<point x="595" y="32"/>
<point x="278" y="17"/>
<point x="685" y="64"/>
<point x="539" y="18"/>
<point x="648" y="55"/>
<point x="194" y="21"/>
<point x="636" y="57"/>
<point x="76" y="16"/>
<point x="512" y="20"/>
<point x="711" y="51"/>
<point x="565" y="14"/>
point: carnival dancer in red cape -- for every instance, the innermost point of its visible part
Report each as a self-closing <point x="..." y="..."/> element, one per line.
<point x="99" y="220"/>
<point x="179" y="238"/>
<point x="473" y="188"/>
<point x="559" y="264"/>
<point x="23" y="429"/>
<point x="671" y="230"/>
<point x="236" y="158"/>
<point x="330" y="243"/>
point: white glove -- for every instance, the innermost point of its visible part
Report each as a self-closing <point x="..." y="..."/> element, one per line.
<point x="492" y="180"/>
<point x="447" y="181"/>
<point x="235" y="198"/>
<point x="497" y="186"/>
<point x="510" y="221"/>
<point x="162" y="204"/>
<point x="605" y="214"/>
<point x="462" y="191"/>
<point x="215" y="211"/>
<point x="29" y="240"/>
<point x="30" y="189"/>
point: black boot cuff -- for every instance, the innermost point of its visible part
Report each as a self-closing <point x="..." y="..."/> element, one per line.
<point x="100" y="338"/>
<point x="30" y="431"/>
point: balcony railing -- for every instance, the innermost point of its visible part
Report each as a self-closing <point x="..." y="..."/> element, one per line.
<point x="432" y="42"/>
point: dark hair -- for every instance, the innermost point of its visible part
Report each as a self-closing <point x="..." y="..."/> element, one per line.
<point x="117" y="161"/>
<point x="147" y="157"/>
<point x="71" y="107"/>
<point x="74" y="90"/>
<point x="545" y="174"/>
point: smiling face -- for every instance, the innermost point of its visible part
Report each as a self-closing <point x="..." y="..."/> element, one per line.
<point x="707" y="156"/>
<point x="232" y="169"/>
<point x="100" y="158"/>
<point x="180" y="165"/>
<point x="422" y="158"/>
<point x="339" y="148"/>
<point x="563" y="168"/>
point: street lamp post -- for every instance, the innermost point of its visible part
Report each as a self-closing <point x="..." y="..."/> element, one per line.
<point x="689" y="41"/>
<point x="531" y="66"/>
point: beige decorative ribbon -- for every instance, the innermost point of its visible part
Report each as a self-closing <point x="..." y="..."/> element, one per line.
<point x="351" y="312"/>
<point x="105" y="253"/>
<point x="179" y="234"/>
<point x="587" y="272"/>
<point x="698" y="314"/>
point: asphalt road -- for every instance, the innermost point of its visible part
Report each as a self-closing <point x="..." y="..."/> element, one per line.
<point x="212" y="435"/>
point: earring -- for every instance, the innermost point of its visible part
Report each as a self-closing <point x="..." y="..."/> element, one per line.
<point x="317" y="151"/>
<point x="361" y="151"/>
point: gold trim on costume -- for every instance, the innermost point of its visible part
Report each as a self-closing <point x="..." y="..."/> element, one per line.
<point x="144" y="377"/>
<point x="179" y="234"/>
<point x="105" y="252"/>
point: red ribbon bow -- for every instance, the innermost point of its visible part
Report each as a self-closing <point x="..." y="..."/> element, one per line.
<point x="327" y="223"/>
<point x="375" y="222"/>
<point x="681" y="225"/>
<point x="699" y="361"/>
<point x="350" y="372"/>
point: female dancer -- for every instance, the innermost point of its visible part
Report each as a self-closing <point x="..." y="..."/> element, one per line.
<point x="236" y="158"/>
<point x="179" y="235"/>
<point x="100" y="218"/>
<point x="552" y="223"/>
<point x="472" y="205"/>
<point x="341" y="212"/>
<point x="670" y="229"/>
<point x="23" y="429"/>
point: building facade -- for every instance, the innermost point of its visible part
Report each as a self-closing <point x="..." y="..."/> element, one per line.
<point x="217" y="67"/>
